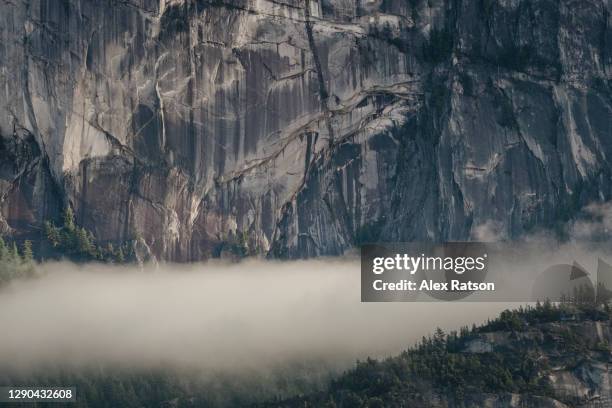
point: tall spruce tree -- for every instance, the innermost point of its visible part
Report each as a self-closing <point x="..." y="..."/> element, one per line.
<point x="52" y="234"/>
<point x="14" y="254"/>
<point x="3" y="249"/>
<point x="28" y="254"/>
<point x="120" y="255"/>
<point x="69" y="219"/>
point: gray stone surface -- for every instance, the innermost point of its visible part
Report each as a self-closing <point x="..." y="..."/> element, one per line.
<point x="300" y="128"/>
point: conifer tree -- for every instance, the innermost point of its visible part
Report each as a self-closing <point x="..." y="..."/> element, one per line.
<point x="120" y="255"/>
<point x="83" y="242"/>
<point x="69" y="219"/>
<point x="27" y="268"/>
<point x="52" y="234"/>
<point x="99" y="253"/>
<point x="14" y="253"/>
<point x="109" y="252"/>
<point x="3" y="249"/>
<point x="28" y="255"/>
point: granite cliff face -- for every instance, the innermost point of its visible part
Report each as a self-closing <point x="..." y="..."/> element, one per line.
<point x="302" y="127"/>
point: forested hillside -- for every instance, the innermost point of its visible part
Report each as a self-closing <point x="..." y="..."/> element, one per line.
<point x="543" y="356"/>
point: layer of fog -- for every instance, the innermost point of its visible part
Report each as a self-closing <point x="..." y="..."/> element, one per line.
<point x="220" y="316"/>
<point x="214" y="316"/>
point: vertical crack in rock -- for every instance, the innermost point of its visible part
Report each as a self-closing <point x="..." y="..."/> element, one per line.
<point x="25" y="72"/>
<point x="323" y="94"/>
<point x="57" y="185"/>
<point x="160" y="101"/>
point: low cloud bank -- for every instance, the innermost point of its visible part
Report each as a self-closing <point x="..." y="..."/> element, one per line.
<point x="213" y="316"/>
<point x="222" y="317"/>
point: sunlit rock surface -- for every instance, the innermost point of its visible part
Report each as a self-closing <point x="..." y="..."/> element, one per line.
<point x="300" y="128"/>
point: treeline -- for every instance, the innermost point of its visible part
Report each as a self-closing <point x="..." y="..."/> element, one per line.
<point x="79" y="244"/>
<point x="109" y="386"/>
<point x="15" y="263"/>
<point x="546" y="312"/>
<point x="97" y="390"/>
<point x="65" y="241"/>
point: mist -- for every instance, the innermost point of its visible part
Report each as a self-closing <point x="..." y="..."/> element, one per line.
<point x="213" y="317"/>
<point x="273" y="320"/>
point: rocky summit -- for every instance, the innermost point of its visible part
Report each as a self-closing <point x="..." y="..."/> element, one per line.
<point x="298" y="128"/>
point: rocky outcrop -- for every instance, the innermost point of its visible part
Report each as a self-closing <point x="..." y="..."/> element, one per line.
<point x="301" y="128"/>
<point x="547" y="356"/>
